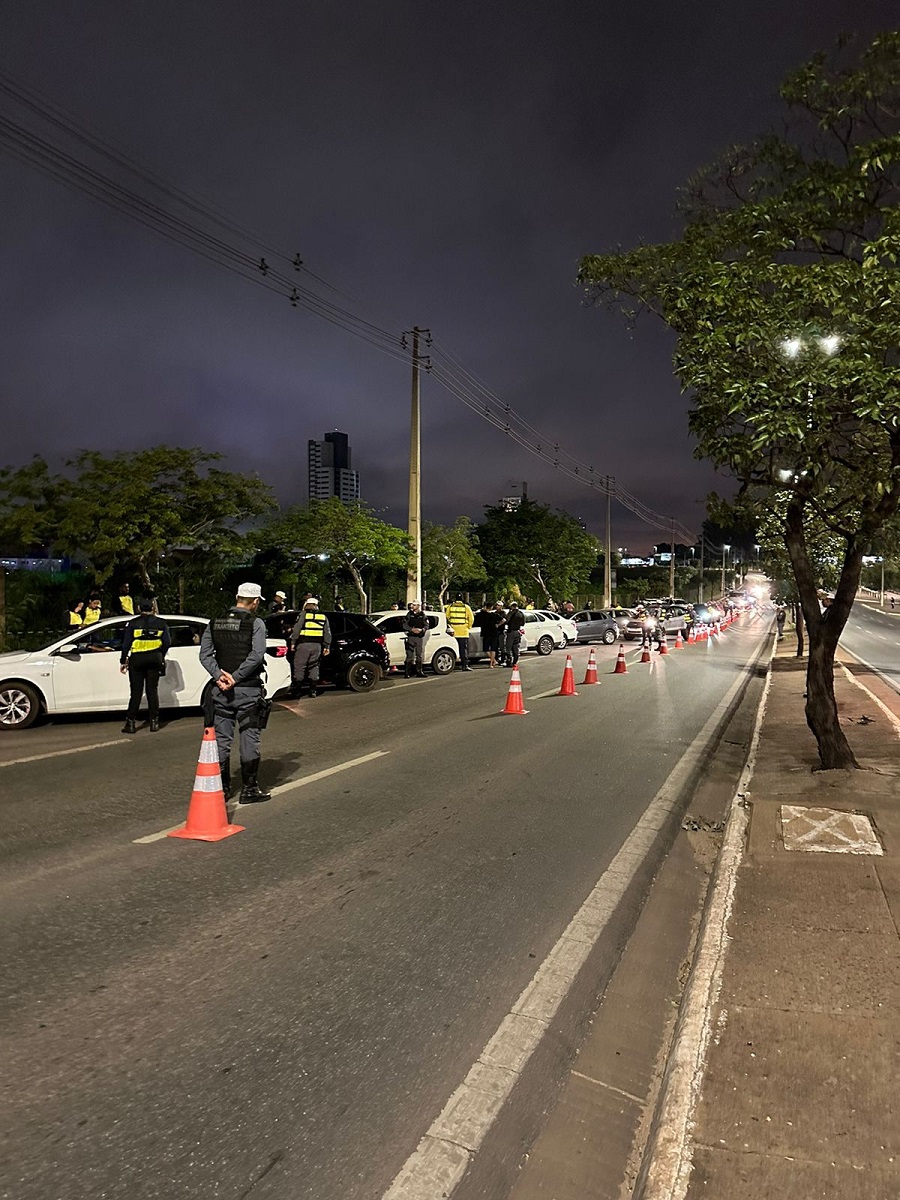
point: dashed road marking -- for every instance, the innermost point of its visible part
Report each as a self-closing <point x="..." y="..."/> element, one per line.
<point x="12" y="762"/>
<point x="280" y="790"/>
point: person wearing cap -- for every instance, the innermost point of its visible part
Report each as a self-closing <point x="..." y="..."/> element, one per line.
<point x="279" y="604"/>
<point x="233" y="651"/>
<point x="417" y="627"/>
<point x="143" y="657"/>
<point x="310" y="640"/>
<point x="460" y="618"/>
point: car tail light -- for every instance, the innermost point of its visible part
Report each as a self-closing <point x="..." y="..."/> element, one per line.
<point x="281" y="652"/>
<point x="381" y="640"/>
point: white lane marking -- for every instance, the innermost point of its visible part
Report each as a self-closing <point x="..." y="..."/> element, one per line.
<point x="670" y="1152"/>
<point x="891" y="716"/>
<point x="543" y="695"/>
<point x="281" y="789"/>
<point x="445" y="1151"/>
<point x="12" y="762"/>
<point x="877" y="670"/>
<point x="395" y="687"/>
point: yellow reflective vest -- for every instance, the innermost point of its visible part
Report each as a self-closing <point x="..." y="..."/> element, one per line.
<point x="74" y="619"/>
<point x="313" y="625"/>
<point x="91" y="615"/>
<point x="460" y="618"/>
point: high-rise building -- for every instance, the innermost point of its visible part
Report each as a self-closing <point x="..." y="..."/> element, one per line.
<point x="330" y="473"/>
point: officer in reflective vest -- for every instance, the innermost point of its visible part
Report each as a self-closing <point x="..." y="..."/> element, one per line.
<point x="143" y="657"/>
<point x="233" y="651"/>
<point x="310" y="640"/>
<point x="460" y="618"/>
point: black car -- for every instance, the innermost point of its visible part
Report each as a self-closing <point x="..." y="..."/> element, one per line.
<point x="358" y="656"/>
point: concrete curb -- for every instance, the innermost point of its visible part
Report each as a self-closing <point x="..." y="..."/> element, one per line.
<point x="667" y="1161"/>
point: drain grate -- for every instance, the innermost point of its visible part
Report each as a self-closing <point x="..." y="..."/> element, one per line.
<point x="828" y="831"/>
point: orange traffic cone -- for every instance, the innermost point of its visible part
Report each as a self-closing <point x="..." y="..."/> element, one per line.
<point x="568" y="680"/>
<point x="663" y="644"/>
<point x="645" y="652"/>
<point x="590" y="675"/>
<point x="692" y="637"/>
<point x="679" y="641"/>
<point x="207" y="820"/>
<point x="620" y="668"/>
<point x="514" y="705"/>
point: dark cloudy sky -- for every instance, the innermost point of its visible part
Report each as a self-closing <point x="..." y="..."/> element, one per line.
<point x="443" y="164"/>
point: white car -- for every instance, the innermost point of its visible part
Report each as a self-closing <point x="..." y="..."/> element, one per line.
<point x="80" y="673"/>
<point x="539" y="634"/>
<point x="440" y="651"/>
<point x="567" y="627"/>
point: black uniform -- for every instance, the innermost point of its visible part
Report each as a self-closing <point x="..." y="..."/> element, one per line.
<point x="144" y="649"/>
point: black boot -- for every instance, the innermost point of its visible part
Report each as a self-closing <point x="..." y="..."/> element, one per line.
<point x="420" y="672"/>
<point x="406" y="671"/>
<point x="250" y="791"/>
<point x="154" y="724"/>
<point x="225" y="770"/>
<point x="129" y="726"/>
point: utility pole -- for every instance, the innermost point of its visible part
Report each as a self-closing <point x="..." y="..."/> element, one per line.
<point x="702" y="544"/>
<point x="414" y="526"/>
<point x="672" y="562"/>
<point x="607" y="563"/>
<point x="725" y="549"/>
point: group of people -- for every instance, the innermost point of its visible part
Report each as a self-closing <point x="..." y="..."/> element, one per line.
<point x="501" y="633"/>
<point x="89" y="609"/>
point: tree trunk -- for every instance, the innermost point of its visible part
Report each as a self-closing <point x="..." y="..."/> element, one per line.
<point x="823" y="632"/>
<point x="797" y="613"/>
<point x="360" y="585"/>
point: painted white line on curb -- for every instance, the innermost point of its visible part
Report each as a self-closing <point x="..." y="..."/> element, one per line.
<point x="13" y="762"/>
<point x="280" y="790"/>
<point x="892" y="717"/>
<point x="444" y="1153"/>
<point x="671" y="1152"/>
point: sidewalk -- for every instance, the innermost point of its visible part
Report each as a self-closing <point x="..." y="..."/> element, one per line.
<point x="800" y="1092"/>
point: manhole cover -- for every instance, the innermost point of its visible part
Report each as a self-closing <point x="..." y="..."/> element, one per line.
<point x="828" y="831"/>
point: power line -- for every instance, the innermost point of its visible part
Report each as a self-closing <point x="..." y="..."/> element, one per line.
<point x="247" y="259"/>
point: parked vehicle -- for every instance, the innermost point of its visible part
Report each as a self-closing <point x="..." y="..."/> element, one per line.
<point x="80" y="673"/>
<point x="539" y="634"/>
<point x="567" y="626"/>
<point x="441" y="650"/>
<point x="359" y="655"/>
<point x="600" y="625"/>
<point x="675" y="618"/>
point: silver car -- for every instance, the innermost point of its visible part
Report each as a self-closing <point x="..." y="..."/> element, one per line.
<point x="597" y="625"/>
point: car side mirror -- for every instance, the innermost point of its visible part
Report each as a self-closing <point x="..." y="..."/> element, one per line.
<point x="69" y="651"/>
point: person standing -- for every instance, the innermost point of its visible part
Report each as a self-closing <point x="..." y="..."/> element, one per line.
<point x="416" y="626"/>
<point x="515" y="623"/>
<point x="489" y="625"/>
<point x="75" y="616"/>
<point x="500" y="619"/>
<point x="233" y="652"/>
<point x="460" y="618"/>
<point x="143" y="657"/>
<point x="310" y="641"/>
<point x="279" y="604"/>
<point x="126" y="603"/>
<point x="780" y="616"/>
<point x="92" y="611"/>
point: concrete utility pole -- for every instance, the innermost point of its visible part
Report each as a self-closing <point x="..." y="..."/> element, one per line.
<point x="702" y="544"/>
<point x="414" y="573"/>
<point x="607" y="565"/>
<point x="672" y="562"/>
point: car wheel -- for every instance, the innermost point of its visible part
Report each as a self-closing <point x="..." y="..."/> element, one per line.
<point x="609" y="636"/>
<point x="443" y="662"/>
<point x="20" y="706"/>
<point x="545" y="645"/>
<point x="363" y="675"/>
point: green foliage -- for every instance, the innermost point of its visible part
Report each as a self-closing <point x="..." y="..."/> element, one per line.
<point x="349" y="535"/>
<point x="450" y="552"/>
<point x="534" y="544"/>
<point x="785" y="297"/>
<point x="123" y="511"/>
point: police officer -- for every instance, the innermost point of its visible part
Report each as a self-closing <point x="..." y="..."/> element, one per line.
<point x="515" y="623"/>
<point x="460" y="618"/>
<point x="233" y="651"/>
<point x="416" y="626"/>
<point x="143" y="656"/>
<point x="310" y="640"/>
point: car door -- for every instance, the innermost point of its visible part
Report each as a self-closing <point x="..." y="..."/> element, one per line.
<point x="185" y="678"/>
<point x="86" y="675"/>
<point x="395" y="636"/>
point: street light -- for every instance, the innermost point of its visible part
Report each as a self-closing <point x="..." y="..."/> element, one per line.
<point x="725" y="549"/>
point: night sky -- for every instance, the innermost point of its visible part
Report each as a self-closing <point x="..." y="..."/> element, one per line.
<point x="442" y="164"/>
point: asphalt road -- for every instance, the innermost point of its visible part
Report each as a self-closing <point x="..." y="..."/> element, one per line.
<point x="282" y="1014"/>
<point x="873" y="637"/>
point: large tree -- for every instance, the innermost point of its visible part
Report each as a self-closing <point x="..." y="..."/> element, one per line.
<point x="451" y="552"/>
<point x="534" y="544"/>
<point x="785" y="297"/>
<point x="349" y="535"/>
<point x="124" y="511"/>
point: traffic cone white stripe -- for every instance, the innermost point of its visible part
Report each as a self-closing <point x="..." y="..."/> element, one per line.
<point x="209" y="752"/>
<point x="207" y="783"/>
